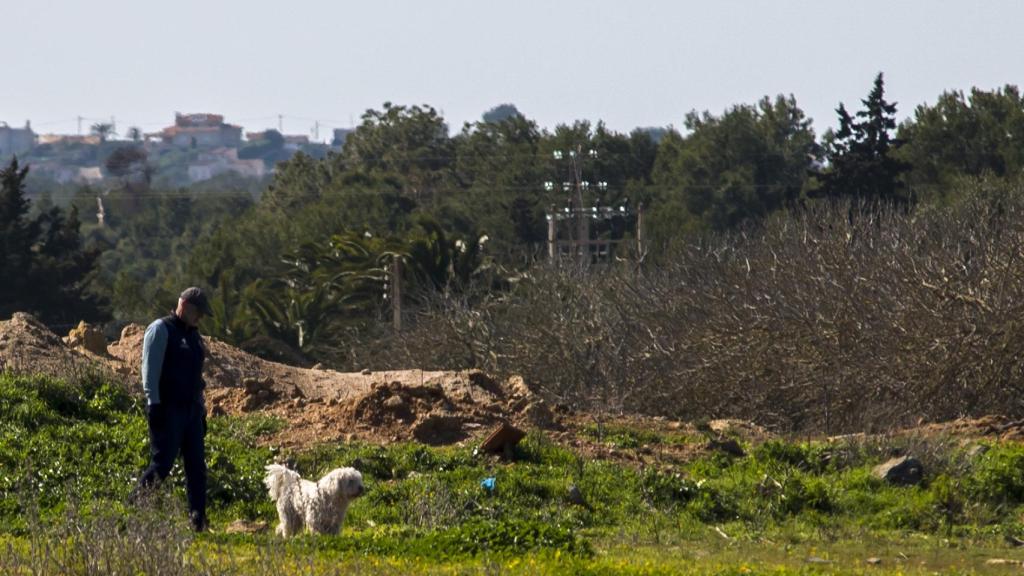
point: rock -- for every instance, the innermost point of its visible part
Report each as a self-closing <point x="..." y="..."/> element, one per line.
<point x="574" y="496"/>
<point x="904" y="470"/>
<point x="317" y="366"/>
<point x="517" y="385"/>
<point x="246" y="527"/>
<point x="88" y="337"/>
<point x="873" y="561"/>
<point x="538" y="414"/>
<point x="366" y="372"/>
<point x="132" y="331"/>
<point x="727" y="445"/>
<point x="976" y="450"/>
<point x="257" y="385"/>
<point x="394" y="402"/>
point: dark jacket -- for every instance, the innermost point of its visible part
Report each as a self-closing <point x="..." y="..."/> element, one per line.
<point x="181" y="376"/>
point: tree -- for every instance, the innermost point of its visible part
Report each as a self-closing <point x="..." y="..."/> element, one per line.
<point x="135" y="134"/>
<point x="862" y="163"/>
<point x="743" y="165"/>
<point x="958" y="136"/>
<point x="130" y="164"/>
<point x="500" y="113"/>
<point x="410" y="143"/>
<point x="44" y="267"/>
<point x="498" y="165"/>
<point x="17" y="235"/>
<point x="103" y="131"/>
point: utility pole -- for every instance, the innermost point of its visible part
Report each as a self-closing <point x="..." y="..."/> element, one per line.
<point x="396" y="293"/>
<point x="552" y="235"/>
<point x="280" y="123"/>
<point x="582" y="222"/>
<point x="80" y="125"/>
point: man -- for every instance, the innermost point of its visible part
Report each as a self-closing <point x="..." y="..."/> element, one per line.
<point x="172" y="378"/>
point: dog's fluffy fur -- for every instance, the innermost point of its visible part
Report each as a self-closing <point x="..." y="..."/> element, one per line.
<point x="318" y="506"/>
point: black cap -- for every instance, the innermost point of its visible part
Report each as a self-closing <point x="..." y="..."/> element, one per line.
<point x="197" y="298"/>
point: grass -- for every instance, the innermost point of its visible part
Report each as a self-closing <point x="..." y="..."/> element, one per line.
<point x="69" y="455"/>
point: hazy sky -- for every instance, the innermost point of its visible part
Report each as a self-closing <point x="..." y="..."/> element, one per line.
<point x="635" y="63"/>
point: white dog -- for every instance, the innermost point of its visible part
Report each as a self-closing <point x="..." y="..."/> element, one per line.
<point x="319" y="506"/>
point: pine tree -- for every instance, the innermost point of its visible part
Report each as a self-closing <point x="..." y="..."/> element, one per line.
<point x="860" y="153"/>
<point x="44" y="268"/>
<point x="17" y="234"/>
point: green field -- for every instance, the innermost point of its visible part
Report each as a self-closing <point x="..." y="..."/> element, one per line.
<point x="69" y="454"/>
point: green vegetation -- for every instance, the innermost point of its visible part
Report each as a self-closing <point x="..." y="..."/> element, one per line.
<point x="69" y="452"/>
<point x="299" y="265"/>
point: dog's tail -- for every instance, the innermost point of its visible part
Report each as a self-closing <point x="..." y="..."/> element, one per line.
<point x="279" y="480"/>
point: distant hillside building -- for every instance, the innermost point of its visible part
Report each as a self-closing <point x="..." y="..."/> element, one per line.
<point x="16" y="140"/>
<point x="201" y="131"/>
<point x="287" y="141"/>
<point x="68" y="174"/>
<point x="91" y="139"/>
<point x="223" y="160"/>
<point x="340" y="135"/>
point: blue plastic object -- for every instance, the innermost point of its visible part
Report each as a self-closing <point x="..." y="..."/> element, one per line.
<point x="488" y="484"/>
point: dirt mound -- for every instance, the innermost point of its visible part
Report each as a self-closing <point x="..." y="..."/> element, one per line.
<point x="997" y="427"/>
<point x="319" y="405"/>
<point x="27" y="345"/>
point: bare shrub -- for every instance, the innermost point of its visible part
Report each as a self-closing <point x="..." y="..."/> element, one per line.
<point x="838" y="318"/>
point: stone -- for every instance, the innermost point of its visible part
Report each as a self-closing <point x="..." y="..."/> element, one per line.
<point x="574" y="496"/>
<point x="976" y="450"/>
<point x="86" y="336"/>
<point x="517" y="385"/>
<point x="366" y="372"/>
<point x="874" y="561"/>
<point x="728" y="445"/>
<point x="538" y="414"/>
<point x="904" y="471"/>
<point x="246" y="527"/>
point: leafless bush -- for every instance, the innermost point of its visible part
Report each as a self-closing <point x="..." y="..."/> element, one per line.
<point x="836" y="319"/>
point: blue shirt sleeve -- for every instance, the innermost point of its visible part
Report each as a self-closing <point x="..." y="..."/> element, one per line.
<point x="154" y="345"/>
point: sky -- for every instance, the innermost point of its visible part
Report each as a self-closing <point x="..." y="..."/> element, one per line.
<point x="635" y="63"/>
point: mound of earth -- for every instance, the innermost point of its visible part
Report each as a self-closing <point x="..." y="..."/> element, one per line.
<point x="319" y="405"/>
<point x="27" y="345"/>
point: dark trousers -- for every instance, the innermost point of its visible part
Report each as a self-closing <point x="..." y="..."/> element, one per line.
<point x="174" y="429"/>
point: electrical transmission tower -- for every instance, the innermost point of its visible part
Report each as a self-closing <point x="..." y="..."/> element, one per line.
<point x="579" y="244"/>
